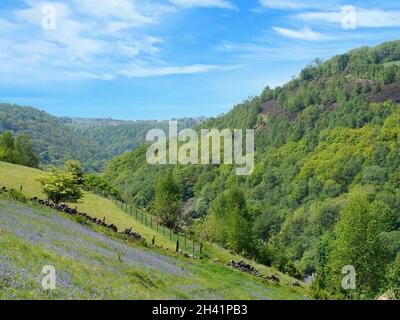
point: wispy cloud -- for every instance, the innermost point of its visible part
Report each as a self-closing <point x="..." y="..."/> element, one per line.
<point x="303" y="34"/>
<point x="124" y="11"/>
<point x="222" y="4"/>
<point x="295" y="4"/>
<point x="369" y="18"/>
<point x="261" y="51"/>
<point x="93" y="39"/>
<point x="144" y="72"/>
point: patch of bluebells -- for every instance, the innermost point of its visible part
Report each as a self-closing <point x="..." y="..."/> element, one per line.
<point x="51" y="232"/>
<point x="8" y="278"/>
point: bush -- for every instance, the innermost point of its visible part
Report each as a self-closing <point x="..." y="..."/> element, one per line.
<point x="60" y="187"/>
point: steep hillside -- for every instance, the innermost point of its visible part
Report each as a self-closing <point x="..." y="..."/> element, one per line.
<point x="93" y="263"/>
<point x="326" y="142"/>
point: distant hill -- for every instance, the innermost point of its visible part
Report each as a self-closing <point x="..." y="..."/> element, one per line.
<point x="91" y="141"/>
<point x="53" y="140"/>
<point x="119" y="136"/>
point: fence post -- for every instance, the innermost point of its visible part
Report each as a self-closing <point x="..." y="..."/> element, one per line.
<point x="151" y="222"/>
<point x="177" y="245"/>
<point x="153" y="241"/>
<point x="170" y="234"/>
<point x="201" y="247"/>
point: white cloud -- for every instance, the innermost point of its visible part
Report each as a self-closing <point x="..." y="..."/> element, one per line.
<point x="364" y="18"/>
<point x="295" y="4"/>
<point x="124" y="11"/>
<point x="144" y="72"/>
<point x="222" y="4"/>
<point x="284" y="4"/>
<point x="303" y="34"/>
<point x="93" y="39"/>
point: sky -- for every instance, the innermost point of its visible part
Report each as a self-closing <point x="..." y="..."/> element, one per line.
<point x="163" y="59"/>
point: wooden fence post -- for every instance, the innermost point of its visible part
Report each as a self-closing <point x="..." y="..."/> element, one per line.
<point x="177" y="245"/>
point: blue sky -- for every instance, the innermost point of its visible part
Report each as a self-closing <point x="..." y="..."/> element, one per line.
<point x="153" y="59"/>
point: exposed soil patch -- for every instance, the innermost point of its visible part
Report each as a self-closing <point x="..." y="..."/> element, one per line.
<point x="389" y="92"/>
<point x="271" y="107"/>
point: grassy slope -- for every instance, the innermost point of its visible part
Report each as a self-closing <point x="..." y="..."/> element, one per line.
<point x="92" y="265"/>
<point x="14" y="176"/>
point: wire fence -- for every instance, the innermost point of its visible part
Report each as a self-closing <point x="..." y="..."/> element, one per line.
<point x="181" y="240"/>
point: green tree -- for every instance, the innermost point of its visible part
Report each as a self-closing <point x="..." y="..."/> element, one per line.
<point x="394" y="278"/>
<point x="168" y="203"/>
<point x="24" y="152"/>
<point x="7" y="147"/>
<point x="75" y="168"/>
<point x="97" y="183"/>
<point x="358" y="243"/>
<point x="60" y="187"/>
<point x="231" y="222"/>
<point x="18" y="150"/>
